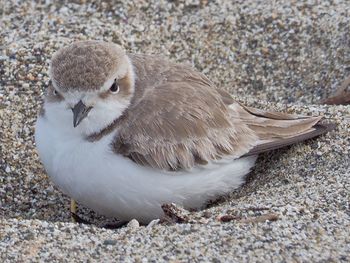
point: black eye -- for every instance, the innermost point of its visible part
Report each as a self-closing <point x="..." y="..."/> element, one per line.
<point x="55" y="92"/>
<point x="115" y="87"/>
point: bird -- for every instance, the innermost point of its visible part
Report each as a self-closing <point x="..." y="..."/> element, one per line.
<point x="123" y="133"/>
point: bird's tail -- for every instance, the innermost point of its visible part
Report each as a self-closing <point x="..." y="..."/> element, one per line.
<point x="276" y="130"/>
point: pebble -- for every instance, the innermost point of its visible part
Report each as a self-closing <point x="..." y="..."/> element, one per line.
<point x="133" y="224"/>
<point x="7" y="169"/>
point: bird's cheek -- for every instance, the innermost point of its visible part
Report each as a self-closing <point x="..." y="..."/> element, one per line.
<point x="90" y="99"/>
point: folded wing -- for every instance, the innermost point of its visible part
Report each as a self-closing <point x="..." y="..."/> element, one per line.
<point x="178" y="119"/>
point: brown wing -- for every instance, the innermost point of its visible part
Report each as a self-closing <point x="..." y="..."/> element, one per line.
<point x="178" y="119"/>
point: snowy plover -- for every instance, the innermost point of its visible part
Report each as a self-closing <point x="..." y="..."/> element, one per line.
<point x="124" y="133"/>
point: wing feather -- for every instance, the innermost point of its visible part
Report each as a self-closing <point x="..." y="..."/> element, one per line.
<point x="178" y="119"/>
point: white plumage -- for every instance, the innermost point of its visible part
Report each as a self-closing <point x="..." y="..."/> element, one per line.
<point x="115" y="186"/>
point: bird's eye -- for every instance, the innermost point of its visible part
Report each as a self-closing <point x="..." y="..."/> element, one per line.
<point x="55" y="92"/>
<point x="115" y="87"/>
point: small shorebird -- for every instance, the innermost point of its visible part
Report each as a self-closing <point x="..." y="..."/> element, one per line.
<point x="125" y="133"/>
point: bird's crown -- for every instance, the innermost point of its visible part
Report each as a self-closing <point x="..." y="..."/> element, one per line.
<point x="86" y="65"/>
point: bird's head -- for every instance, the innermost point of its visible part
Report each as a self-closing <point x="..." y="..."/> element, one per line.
<point x="92" y="83"/>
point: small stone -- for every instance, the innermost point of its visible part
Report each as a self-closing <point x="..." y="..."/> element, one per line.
<point x="30" y="77"/>
<point x="133" y="224"/>
<point x="227" y="218"/>
<point x="207" y="214"/>
<point x="265" y="51"/>
<point x="110" y="242"/>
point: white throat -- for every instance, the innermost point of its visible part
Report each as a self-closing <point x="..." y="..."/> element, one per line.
<point x="102" y="114"/>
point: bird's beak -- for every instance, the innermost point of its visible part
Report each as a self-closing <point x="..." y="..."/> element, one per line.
<point x="80" y="111"/>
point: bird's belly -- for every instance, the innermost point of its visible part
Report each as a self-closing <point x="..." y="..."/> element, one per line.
<point x="115" y="186"/>
<point x="91" y="174"/>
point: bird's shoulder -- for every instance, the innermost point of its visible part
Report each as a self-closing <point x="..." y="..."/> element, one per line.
<point x="153" y="70"/>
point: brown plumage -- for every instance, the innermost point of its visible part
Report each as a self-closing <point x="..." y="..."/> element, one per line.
<point x="178" y="119"/>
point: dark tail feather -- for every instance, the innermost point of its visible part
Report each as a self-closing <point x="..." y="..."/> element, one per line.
<point x="318" y="129"/>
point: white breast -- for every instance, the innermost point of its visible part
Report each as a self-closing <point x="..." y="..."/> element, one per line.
<point x="114" y="186"/>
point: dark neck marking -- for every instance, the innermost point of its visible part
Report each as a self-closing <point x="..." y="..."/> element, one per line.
<point x="108" y="129"/>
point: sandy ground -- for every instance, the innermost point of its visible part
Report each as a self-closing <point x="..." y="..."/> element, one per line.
<point x="284" y="55"/>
